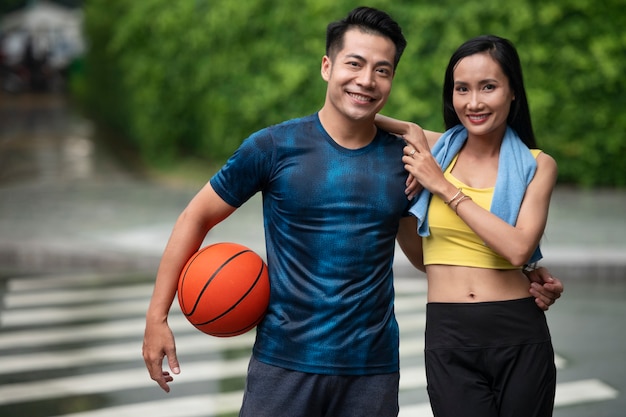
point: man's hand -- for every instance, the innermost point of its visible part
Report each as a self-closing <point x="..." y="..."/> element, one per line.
<point x="412" y="187"/>
<point x="544" y="287"/>
<point x="158" y="342"/>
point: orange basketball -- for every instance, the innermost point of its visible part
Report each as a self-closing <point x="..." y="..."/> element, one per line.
<point x="224" y="289"/>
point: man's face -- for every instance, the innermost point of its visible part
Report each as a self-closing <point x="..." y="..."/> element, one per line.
<point x="360" y="75"/>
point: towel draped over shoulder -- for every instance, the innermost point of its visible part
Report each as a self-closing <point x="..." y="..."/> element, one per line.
<point x="516" y="168"/>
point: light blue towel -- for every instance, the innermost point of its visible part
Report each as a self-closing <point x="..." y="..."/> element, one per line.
<point x="516" y="168"/>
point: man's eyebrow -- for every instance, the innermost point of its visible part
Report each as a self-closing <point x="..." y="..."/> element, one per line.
<point x="379" y="63"/>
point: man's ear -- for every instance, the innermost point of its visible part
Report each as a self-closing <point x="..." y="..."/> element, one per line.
<point x="326" y="67"/>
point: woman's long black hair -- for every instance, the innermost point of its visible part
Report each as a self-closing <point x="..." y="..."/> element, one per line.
<point x="504" y="53"/>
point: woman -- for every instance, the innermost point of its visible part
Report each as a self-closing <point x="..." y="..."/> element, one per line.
<point x="488" y="348"/>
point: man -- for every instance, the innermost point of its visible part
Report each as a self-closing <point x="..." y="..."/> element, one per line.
<point x="333" y="201"/>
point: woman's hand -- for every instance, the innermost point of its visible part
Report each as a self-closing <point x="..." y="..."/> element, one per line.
<point x="423" y="167"/>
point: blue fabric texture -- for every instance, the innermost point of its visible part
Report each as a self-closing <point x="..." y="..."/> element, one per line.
<point x="331" y="216"/>
<point x="516" y="169"/>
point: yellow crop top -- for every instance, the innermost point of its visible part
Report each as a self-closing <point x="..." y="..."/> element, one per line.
<point x="451" y="241"/>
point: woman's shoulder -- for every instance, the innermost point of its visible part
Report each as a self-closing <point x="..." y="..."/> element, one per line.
<point x="545" y="163"/>
<point x="540" y="155"/>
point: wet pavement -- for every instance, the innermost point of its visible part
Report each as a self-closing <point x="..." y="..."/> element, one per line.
<point x="80" y="239"/>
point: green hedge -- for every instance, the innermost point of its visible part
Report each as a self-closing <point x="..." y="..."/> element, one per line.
<point x="196" y="77"/>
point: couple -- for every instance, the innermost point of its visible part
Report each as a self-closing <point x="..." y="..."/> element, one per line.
<point x="335" y="200"/>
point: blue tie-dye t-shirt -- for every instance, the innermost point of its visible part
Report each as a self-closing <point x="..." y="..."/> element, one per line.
<point x="331" y="215"/>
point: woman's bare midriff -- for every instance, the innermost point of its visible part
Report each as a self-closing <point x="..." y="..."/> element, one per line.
<point x="461" y="284"/>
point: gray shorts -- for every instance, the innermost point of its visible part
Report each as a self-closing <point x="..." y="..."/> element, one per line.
<point x="275" y="392"/>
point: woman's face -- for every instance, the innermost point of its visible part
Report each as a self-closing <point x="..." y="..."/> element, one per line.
<point x="482" y="95"/>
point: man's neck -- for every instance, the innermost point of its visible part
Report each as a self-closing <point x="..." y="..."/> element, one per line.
<point x="350" y="134"/>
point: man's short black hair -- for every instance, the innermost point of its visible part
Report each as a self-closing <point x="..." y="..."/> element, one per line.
<point x="368" y="20"/>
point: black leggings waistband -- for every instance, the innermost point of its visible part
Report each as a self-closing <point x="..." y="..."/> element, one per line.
<point x="487" y="324"/>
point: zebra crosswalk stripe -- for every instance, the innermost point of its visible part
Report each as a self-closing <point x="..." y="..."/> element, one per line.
<point x="91" y="322"/>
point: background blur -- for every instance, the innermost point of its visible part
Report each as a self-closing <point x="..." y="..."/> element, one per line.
<point x="114" y="112"/>
<point x="183" y="83"/>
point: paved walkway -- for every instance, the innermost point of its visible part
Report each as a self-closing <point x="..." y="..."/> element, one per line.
<point x="65" y="203"/>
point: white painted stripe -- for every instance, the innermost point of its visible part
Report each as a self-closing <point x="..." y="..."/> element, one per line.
<point x="69" y="281"/>
<point x="85" y="332"/>
<point x="19" y="313"/>
<point x="132" y="327"/>
<point x="62" y="315"/>
<point x="410" y="285"/>
<point x="584" y="391"/>
<point x="75" y="296"/>
<point x="410" y="303"/>
<point x="123" y="352"/>
<point x="412" y="377"/>
<point x="413" y="346"/>
<point x="104" y="382"/>
<point x="202" y="405"/>
<point x="191" y="406"/>
<point x="559" y="361"/>
<point x="401" y="284"/>
<point x="411" y="322"/>
<point x="111" y="353"/>
<point x="416" y="410"/>
<point x="407" y="305"/>
<point x="20" y="310"/>
<point x="67" y="314"/>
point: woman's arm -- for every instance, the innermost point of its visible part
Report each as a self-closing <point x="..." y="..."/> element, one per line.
<point x="417" y="140"/>
<point x="515" y="243"/>
<point x="422" y="140"/>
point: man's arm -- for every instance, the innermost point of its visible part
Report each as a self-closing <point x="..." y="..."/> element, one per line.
<point x="410" y="242"/>
<point x="204" y="211"/>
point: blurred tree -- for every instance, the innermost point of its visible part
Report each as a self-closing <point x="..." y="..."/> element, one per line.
<point x="197" y="77"/>
<point x="11" y="5"/>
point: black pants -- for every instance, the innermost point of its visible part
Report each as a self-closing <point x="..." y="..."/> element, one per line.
<point x="491" y="359"/>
